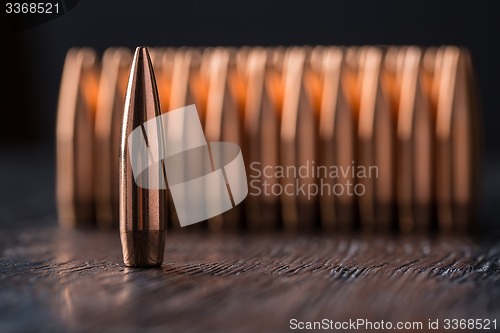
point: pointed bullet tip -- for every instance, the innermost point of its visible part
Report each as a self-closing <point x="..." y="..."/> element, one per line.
<point x="142" y="53"/>
<point x="141" y="50"/>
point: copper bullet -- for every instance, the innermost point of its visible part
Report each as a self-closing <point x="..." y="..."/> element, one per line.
<point x="376" y="141"/>
<point x="163" y="65"/>
<point x="351" y="78"/>
<point x="261" y="126"/>
<point x="112" y="91"/>
<point x="411" y="114"/>
<point x="185" y="63"/>
<point x="456" y="117"/>
<point x="142" y="211"/>
<point x="75" y="136"/>
<point x="199" y="83"/>
<point x="223" y="121"/>
<point x="298" y="137"/>
<point x="415" y="132"/>
<point x="337" y="141"/>
<point x="393" y="73"/>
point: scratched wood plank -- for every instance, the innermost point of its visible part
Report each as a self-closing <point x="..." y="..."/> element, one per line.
<point x="55" y="280"/>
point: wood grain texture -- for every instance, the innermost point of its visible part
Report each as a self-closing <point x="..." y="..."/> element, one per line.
<point x="54" y="280"/>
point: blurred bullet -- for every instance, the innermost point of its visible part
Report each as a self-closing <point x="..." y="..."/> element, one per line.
<point x="185" y="64"/>
<point x="112" y="91"/>
<point x="298" y="143"/>
<point x="337" y="142"/>
<point x="376" y="145"/>
<point x="75" y="137"/>
<point x="456" y="118"/>
<point x="261" y="128"/>
<point x="142" y="211"/>
<point x="409" y="113"/>
<point x="415" y="132"/>
<point x="223" y="122"/>
<point x="163" y="65"/>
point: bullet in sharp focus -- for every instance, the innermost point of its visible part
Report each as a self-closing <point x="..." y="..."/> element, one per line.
<point x="142" y="211"/>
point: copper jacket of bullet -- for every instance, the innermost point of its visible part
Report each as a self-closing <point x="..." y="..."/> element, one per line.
<point x="112" y="90"/>
<point x="74" y="133"/>
<point x="142" y="211"/>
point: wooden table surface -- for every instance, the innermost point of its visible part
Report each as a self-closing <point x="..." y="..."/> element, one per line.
<point x="52" y="280"/>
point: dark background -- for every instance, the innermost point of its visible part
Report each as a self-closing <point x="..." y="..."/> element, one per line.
<point x="31" y="60"/>
<point x="53" y="280"/>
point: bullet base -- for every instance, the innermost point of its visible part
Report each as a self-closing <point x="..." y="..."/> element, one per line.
<point x="143" y="248"/>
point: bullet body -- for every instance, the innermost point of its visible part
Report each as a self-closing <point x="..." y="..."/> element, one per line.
<point x="74" y="133"/>
<point x="142" y="211"/>
<point x="392" y="131"/>
<point x="112" y="90"/>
